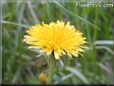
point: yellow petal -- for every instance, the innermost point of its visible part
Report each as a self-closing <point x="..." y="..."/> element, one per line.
<point x="56" y="55"/>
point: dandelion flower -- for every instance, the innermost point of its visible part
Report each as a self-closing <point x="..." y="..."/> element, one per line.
<point x="59" y="38"/>
<point x="42" y="77"/>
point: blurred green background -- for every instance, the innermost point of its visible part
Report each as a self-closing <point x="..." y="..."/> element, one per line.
<point x="20" y="65"/>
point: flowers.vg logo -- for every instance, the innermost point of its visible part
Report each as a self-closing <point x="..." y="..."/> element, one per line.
<point x="100" y="4"/>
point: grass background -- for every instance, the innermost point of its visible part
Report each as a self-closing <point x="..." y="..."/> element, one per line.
<point x="20" y="65"/>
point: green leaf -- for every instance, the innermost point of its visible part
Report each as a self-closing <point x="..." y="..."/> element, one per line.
<point x="78" y="74"/>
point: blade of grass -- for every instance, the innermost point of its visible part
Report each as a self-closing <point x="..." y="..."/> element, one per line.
<point x="106" y="48"/>
<point x="103" y="66"/>
<point x="104" y="42"/>
<point x="16" y="76"/>
<point x="78" y="74"/>
<point x="34" y="16"/>
<point x="31" y="73"/>
<point x="65" y="77"/>
<point x="13" y="23"/>
<point x="70" y="12"/>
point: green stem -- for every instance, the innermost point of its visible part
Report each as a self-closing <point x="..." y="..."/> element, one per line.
<point x="51" y="68"/>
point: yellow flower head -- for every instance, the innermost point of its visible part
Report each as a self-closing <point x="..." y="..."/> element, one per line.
<point x="58" y="38"/>
<point x="42" y="77"/>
